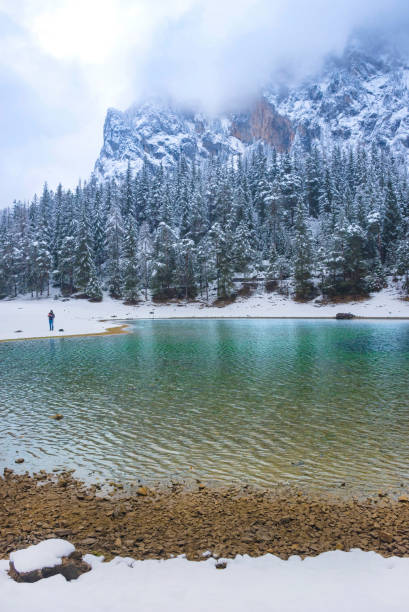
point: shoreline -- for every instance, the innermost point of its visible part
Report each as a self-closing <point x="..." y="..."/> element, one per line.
<point x="110" y="331"/>
<point x="163" y="522"/>
<point x="123" y="329"/>
<point x="24" y="318"/>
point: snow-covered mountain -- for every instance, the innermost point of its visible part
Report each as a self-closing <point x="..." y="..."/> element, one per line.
<point x="360" y="97"/>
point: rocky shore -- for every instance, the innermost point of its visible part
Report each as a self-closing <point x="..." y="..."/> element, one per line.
<point x="161" y="523"/>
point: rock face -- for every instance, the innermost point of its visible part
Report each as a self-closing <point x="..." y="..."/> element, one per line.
<point x="157" y="133"/>
<point x="263" y="124"/>
<point x="361" y="97"/>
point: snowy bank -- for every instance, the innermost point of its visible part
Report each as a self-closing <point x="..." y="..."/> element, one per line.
<point x="331" y="582"/>
<point x="25" y="317"/>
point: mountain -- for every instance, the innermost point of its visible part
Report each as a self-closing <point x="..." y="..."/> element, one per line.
<point x="360" y="97"/>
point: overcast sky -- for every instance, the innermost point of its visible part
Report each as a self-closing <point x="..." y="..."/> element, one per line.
<point x="64" y="62"/>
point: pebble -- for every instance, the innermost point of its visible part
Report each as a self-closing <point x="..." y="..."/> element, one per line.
<point x="386" y="537"/>
<point x="221" y="565"/>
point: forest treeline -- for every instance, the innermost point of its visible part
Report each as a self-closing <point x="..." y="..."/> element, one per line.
<point x="335" y="223"/>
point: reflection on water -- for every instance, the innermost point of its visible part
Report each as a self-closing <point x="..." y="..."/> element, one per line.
<point x="262" y="401"/>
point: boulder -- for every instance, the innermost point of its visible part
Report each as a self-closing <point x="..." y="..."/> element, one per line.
<point x="344" y="315"/>
<point x="43" y="560"/>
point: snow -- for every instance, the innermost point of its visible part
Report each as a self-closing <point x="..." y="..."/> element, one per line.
<point x="78" y="317"/>
<point x="335" y="581"/>
<point x="45" y="554"/>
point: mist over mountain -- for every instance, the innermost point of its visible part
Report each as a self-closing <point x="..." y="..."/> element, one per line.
<point x="360" y="97"/>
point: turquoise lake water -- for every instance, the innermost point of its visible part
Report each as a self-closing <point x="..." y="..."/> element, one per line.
<point x="315" y="403"/>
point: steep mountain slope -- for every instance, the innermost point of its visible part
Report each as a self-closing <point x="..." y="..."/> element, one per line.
<point x="158" y="133"/>
<point x="360" y="97"/>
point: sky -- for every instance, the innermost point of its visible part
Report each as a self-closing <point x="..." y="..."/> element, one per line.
<point x="64" y="62"/>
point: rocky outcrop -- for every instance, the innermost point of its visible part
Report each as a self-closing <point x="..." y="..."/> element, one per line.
<point x="264" y="124"/>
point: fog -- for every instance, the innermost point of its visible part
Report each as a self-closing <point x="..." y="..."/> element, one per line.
<point x="64" y="62"/>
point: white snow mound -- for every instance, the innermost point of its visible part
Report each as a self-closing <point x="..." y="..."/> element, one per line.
<point x="45" y="554"/>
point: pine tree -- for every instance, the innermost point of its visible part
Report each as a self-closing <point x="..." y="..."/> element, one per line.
<point x="185" y="266"/>
<point x="93" y="288"/>
<point x="391" y="222"/>
<point x="303" y="259"/>
<point x="355" y="267"/>
<point x="83" y="263"/>
<point x="403" y="262"/>
<point x="223" y="263"/>
<point x="163" y="261"/>
<point x="145" y="249"/>
<point x="205" y="257"/>
<point x="113" y="242"/>
<point x="130" y="262"/>
<point x="243" y="254"/>
<point x="67" y="262"/>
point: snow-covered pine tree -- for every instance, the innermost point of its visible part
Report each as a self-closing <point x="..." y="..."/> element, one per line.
<point x="67" y="262"/>
<point x="391" y="227"/>
<point x="402" y="257"/>
<point x="185" y="267"/>
<point x="223" y="263"/>
<point x="83" y="263"/>
<point x="113" y="245"/>
<point x="93" y="288"/>
<point x="145" y="256"/>
<point x="303" y="256"/>
<point x="163" y="262"/>
<point x="130" y="258"/>
<point x="243" y="254"/>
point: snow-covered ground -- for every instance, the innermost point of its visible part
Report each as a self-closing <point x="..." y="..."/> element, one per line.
<point x="29" y="315"/>
<point x="336" y="581"/>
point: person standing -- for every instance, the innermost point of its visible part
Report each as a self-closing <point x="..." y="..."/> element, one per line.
<point x="51" y="317"/>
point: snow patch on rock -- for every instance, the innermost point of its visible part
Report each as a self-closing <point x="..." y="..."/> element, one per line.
<point x="46" y="554"/>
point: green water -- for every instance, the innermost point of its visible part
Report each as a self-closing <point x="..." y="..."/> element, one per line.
<point x="257" y="401"/>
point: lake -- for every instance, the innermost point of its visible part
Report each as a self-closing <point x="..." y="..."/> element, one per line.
<point x="314" y="403"/>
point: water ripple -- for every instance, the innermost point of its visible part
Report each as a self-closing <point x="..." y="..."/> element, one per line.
<point x="315" y="402"/>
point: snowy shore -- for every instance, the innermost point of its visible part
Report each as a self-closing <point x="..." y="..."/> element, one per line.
<point x="335" y="581"/>
<point x="26" y="317"/>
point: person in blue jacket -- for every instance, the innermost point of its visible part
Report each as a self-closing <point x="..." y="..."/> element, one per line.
<point x="51" y="317"/>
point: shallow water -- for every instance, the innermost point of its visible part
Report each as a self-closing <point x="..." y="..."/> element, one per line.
<point x="314" y="403"/>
